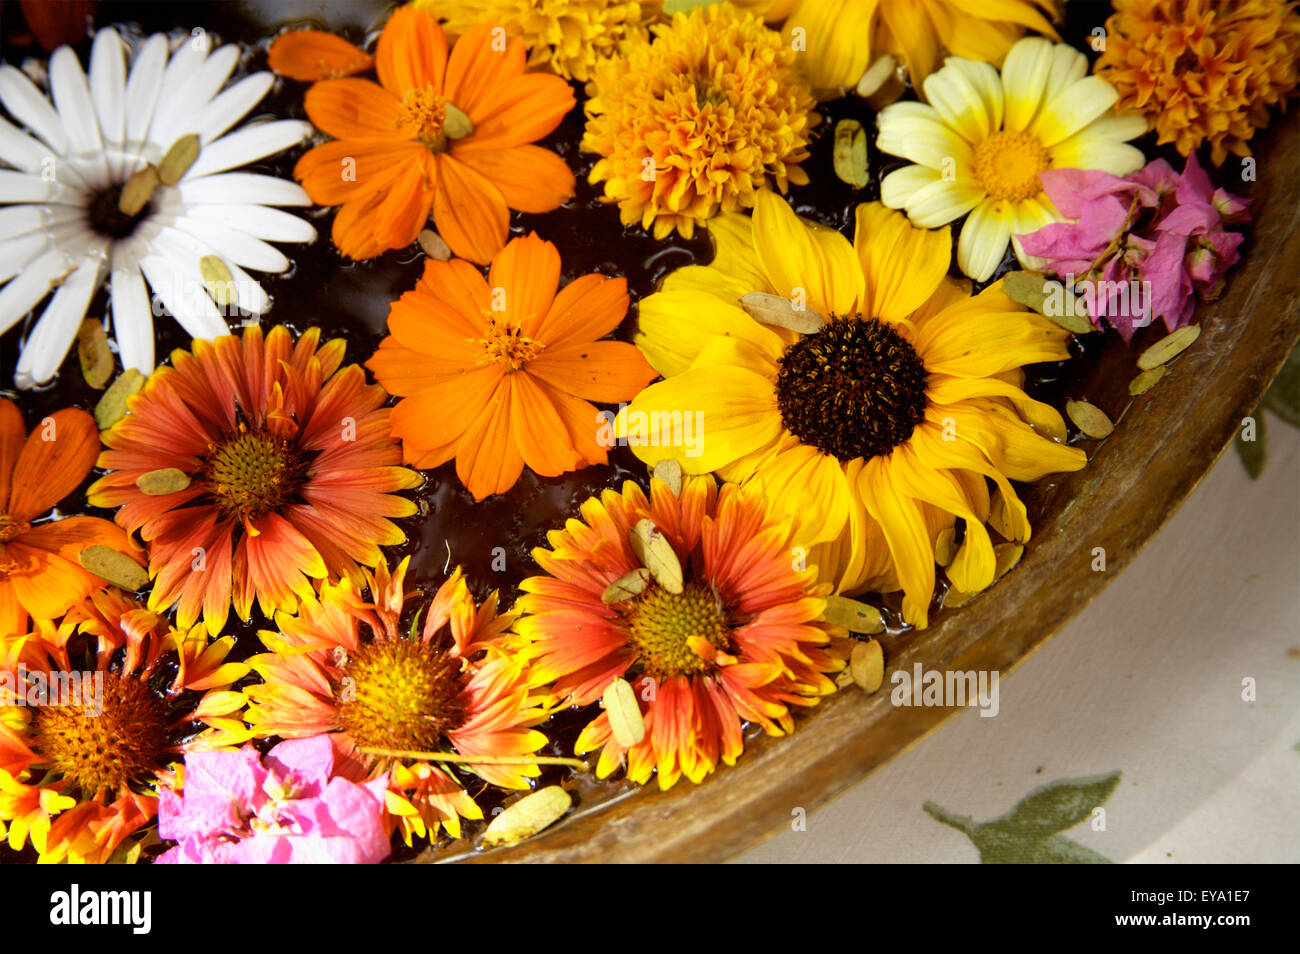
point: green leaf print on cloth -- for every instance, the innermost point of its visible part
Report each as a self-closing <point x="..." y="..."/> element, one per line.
<point x="1029" y="833"/>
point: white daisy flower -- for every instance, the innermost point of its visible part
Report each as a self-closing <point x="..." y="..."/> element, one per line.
<point x="982" y="140"/>
<point x="61" y="180"/>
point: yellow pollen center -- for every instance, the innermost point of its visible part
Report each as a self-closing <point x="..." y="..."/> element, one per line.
<point x="661" y="623"/>
<point x="108" y="750"/>
<point x="424" y="113"/>
<point x="506" y="344"/>
<point x="1007" y="165"/>
<point x="252" y="473"/>
<point x="11" y="529"/>
<point x="400" y="694"/>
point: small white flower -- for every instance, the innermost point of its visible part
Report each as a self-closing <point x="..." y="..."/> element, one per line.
<point x="983" y="138"/>
<point x="60" y="180"/>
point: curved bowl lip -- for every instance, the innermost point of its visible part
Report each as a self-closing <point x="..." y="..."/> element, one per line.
<point x="1160" y="451"/>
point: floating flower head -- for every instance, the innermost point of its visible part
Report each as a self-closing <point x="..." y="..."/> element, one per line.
<point x="499" y="373"/>
<point x="40" y="571"/>
<point x="120" y="179"/>
<point x="1203" y="70"/>
<point x="87" y="740"/>
<point x="344" y="666"/>
<point x="452" y="134"/>
<point x="981" y="141"/>
<point x="1165" y="230"/>
<point x="740" y="637"/>
<point x="841" y="38"/>
<point x="567" y="37"/>
<point x="699" y="121"/>
<point x="288" y="472"/>
<point x="307" y="802"/>
<point x="872" y="433"/>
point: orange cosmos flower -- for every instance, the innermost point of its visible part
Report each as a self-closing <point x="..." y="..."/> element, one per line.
<point x="447" y="133"/>
<point x="291" y="470"/>
<point x="743" y="640"/>
<point x="500" y="373"/>
<point x="343" y="665"/>
<point x="39" y="571"/>
<point x="81" y="761"/>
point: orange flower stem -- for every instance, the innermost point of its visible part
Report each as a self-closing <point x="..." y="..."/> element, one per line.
<point x="475" y="759"/>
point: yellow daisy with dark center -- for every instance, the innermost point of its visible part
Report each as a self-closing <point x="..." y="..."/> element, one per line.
<point x="878" y="426"/>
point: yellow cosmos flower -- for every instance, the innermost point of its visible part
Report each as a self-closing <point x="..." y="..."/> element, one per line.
<point x="872" y="434"/>
<point x="982" y="140"/>
<point x="841" y="38"/>
<point x="698" y="121"/>
<point x="567" y="37"/>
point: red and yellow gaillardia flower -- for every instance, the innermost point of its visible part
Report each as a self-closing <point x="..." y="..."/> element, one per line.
<point x="82" y="759"/>
<point x="40" y="575"/>
<point x="743" y="640"/>
<point x="698" y="121"/>
<point x="500" y="373"/>
<point x="291" y="474"/>
<point x="1203" y="70"/>
<point x="877" y="431"/>
<point x="449" y="133"/>
<point x="343" y="665"/>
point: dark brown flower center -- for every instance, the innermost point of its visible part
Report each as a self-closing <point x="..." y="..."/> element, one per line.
<point x="253" y="473"/>
<point x="108" y="220"/>
<point x="401" y="694"/>
<point x="660" y="625"/>
<point x="104" y="750"/>
<point x="854" y="389"/>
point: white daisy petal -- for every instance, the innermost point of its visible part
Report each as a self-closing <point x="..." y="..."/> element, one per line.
<point x="76" y="109"/>
<point x="179" y="112"/>
<point x="57" y="328"/>
<point x="232" y="106"/>
<point x="246" y="186"/>
<point x="16" y="220"/>
<point x="143" y="86"/>
<point x="108" y="92"/>
<point x="252" y="297"/>
<point x="184" y="295"/>
<point x="240" y="247"/>
<point x="270" y="225"/>
<point x="132" y="316"/>
<point x="26" y="104"/>
<point x="20" y="150"/>
<point x="916" y="131"/>
<point x="942" y="202"/>
<point x="1072" y="109"/>
<point x="1024" y="81"/>
<point x="25" y="187"/>
<point x="968" y="96"/>
<point x="1068" y="66"/>
<point x="32" y="284"/>
<point x="984" y="238"/>
<point x="16" y="253"/>
<point x="248" y="145"/>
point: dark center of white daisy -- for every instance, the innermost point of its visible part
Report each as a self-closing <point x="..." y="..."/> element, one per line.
<point x="108" y="750"/>
<point x="253" y="472"/>
<point x="401" y="694"/>
<point x="106" y="217"/>
<point x="660" y="625"/>
<point x="854" y="389"/>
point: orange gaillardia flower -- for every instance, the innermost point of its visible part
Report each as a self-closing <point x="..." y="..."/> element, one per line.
<point x="39" y="571"/>
<point x="500" y="373"/>
<point x="742" y="640"/>
<point x="1203" y="70"/>
<point x="291" y="470"/>
<point x="344" y="665"/>
<point x="81" y="760"/>
<point x="449" y="133"/>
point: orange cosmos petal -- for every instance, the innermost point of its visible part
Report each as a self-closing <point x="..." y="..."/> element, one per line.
<point x="539" y="430"/>
<point x="528" y="270"/>
<point x="587" y="308"/>
<point x="348" y="169"/>
<point x="487" y="460"/>
<point x="478" y="75"/>
<point x="353" y="231"/>
<point x="412" y="52"/>
<point x="314" y="55"/>
<point x="46" y="585"/>
<point x="607" y="371"/>
<point x="530" y="178"/>
<point x="54" y="460"/>
<point x="405" y="209"/>
<point x="437" y="329"/>
<point x="527" y="108"/>
<point x="12" y="434"/>
<point x="354" y="109"/>
<point x="442" y="412"/>
<point x="581" y="422"/>
<point x="469" y="212"/>
<point x="460" y="285"/>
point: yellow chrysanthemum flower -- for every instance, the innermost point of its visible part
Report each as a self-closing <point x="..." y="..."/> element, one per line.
<point x="872" y="434"/>
<point x="1203" y="69"/>
<point x="568" y="37"/>
<point x="841" y="38"/>
<point x="982" y="140"/>
<point x="698" y="121"/>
